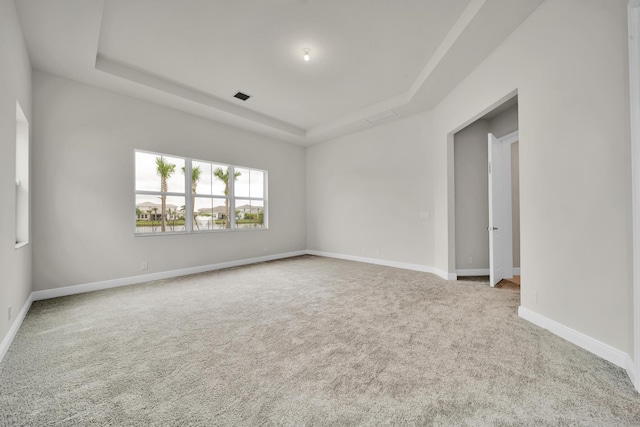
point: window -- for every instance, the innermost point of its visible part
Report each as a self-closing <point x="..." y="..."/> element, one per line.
<point x="182" y="195"/>
<point x="249" y="192"/>
<point x="22" y="178"/>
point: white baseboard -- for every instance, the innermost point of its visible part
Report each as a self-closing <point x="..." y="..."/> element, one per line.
<point x="396" y="264"/>
<point x="15" y="326"/>
<point x="592" y="345"/>
<point x="125" y="281"/>
<point x="629" y="366"/>
<point x="106" y="284"/>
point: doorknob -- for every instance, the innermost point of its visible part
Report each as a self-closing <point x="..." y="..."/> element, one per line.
<point x="492" y="228"/>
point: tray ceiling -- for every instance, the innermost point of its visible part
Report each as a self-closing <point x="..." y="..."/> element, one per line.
<point x="371" y="60"/>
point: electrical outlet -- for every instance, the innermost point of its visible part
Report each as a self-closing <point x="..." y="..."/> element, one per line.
<point x="470" y="260"/>
<point x="266" y="249"/>
<point x="364" y="251"/>
<point x="145" y="265"/>
<point x="536" y="297"/>
<point x="425" y="215"/>
<point x="9" y="313"/>
<point x="379" y="251"/>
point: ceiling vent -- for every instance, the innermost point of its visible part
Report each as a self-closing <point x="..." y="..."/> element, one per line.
<point x="242" y="96"/>
<point x="385" y="115"/>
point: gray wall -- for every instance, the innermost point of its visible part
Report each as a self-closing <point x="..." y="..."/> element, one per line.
<point x="15" y="85"/>
<point x="472" y="194"/>
<point x="471" y="190"/>
<point x="83" y="186"/>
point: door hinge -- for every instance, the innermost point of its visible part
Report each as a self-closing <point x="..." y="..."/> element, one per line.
<point x="489" y="167"/>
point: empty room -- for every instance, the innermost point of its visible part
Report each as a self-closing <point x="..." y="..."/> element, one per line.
<point x="306" y="212"/>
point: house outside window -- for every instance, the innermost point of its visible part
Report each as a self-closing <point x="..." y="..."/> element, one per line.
<point x="182" y="195"/>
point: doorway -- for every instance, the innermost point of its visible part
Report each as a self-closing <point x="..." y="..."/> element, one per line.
<point x="471" y="189"/>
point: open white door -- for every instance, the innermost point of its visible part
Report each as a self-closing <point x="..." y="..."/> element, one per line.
<point x="496" y="227"/>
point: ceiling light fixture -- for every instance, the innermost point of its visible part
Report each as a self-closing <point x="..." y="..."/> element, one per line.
<point x="306" y="54"/>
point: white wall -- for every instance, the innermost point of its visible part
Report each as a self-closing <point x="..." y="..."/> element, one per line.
<point x="15" y="85"/>
<point x="83" y="186"/>
<point x="568" y="62"/>
<point x="366" y="191"/>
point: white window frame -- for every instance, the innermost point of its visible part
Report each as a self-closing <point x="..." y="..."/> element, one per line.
<point x="189" y="197"/>
<point x="232" y="201"/>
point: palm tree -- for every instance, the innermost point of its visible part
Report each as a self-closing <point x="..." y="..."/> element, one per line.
<point x="223" y="175"/>
<point x="165" y="170"/>
<point x="182" y="216"/>
<point x="195" y="177"/>
<point x="172" y="218"/>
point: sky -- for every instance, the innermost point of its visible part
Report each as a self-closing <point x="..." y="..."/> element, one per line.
<point x="250" y="183"/>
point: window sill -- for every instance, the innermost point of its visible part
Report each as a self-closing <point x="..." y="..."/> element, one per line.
<point x="223" y="230"/>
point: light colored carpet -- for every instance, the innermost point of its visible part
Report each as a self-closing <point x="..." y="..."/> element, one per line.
<point x="303" y="341"/>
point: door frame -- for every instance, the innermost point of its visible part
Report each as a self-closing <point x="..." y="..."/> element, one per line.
<point x="451" y="194"/>
<point x="633" y="370"/>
